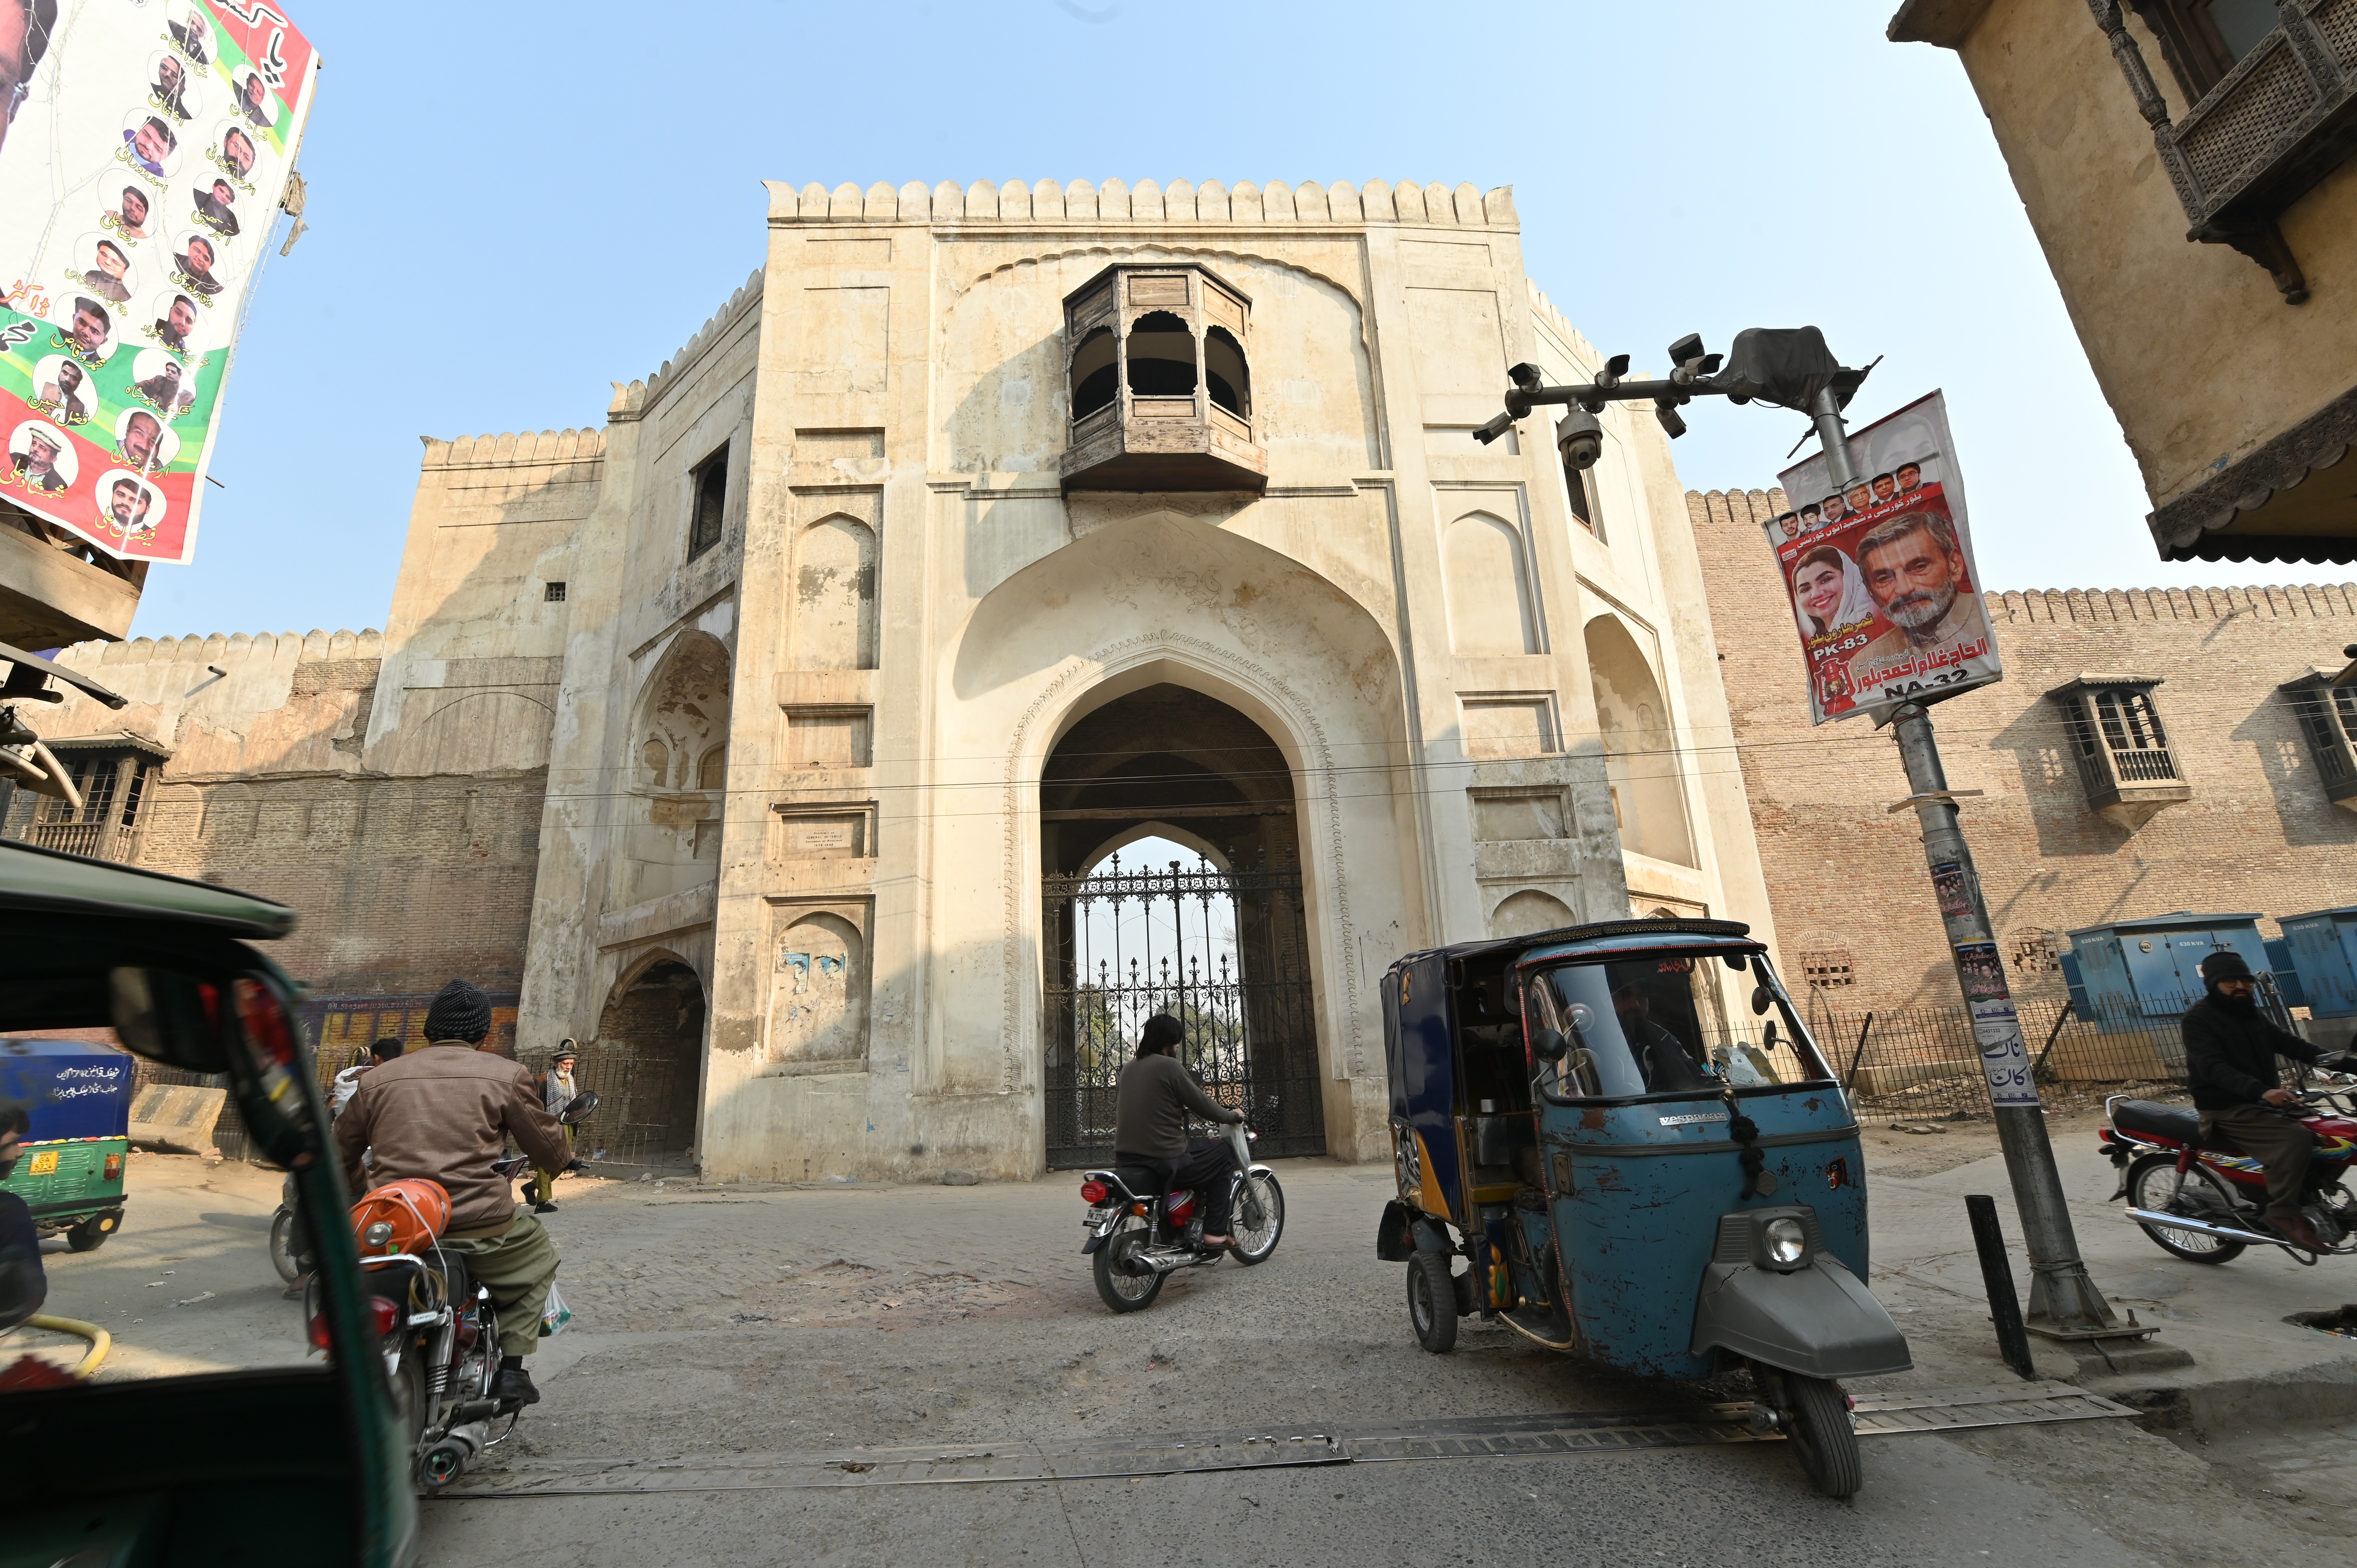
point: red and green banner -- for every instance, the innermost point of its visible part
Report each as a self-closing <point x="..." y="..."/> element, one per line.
<point x="143" y="154"/>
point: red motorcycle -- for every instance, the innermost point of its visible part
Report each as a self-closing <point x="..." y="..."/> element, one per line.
<point x="2203" y="1200"/>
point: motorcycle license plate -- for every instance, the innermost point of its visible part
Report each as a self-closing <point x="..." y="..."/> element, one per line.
<point x="43" y="1163"/>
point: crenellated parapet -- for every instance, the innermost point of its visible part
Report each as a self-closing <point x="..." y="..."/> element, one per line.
<point x="515" y="448"/>
<point x="1079" y="202"/>
<point x="632" y="401"/>
<point x="218" y="648"/>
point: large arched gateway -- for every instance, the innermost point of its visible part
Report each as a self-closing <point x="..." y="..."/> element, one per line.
<point x="991" y="532"/>
<point x="1214" y="936"/>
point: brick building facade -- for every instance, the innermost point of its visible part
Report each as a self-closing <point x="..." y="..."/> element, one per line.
<point x="241" y="760"/>
<point x="2256" y="831"/>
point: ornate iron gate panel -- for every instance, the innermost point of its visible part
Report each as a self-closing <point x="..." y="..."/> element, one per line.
<point x="1225" y="952"/>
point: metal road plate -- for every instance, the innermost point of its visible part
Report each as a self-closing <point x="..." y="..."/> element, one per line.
<point x="1481" y="1437"/>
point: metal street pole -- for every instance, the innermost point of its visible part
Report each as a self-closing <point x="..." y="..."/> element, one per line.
<point x="2064" y="1302"/>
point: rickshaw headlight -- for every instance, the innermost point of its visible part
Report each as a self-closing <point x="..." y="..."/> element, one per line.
<point x="1788" y="1243"/>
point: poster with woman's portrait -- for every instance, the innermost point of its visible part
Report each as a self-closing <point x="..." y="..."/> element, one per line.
<point x="1879" y="571"/>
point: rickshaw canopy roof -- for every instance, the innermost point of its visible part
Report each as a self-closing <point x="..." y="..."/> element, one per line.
<point x="1600" y="938"/>
<point x="48" y="882"/>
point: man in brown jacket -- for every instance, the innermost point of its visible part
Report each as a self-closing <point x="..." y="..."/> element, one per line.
<point x="445" y="1114"/>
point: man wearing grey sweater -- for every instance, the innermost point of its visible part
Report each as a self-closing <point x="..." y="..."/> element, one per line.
<point x="1155" y="1096"/>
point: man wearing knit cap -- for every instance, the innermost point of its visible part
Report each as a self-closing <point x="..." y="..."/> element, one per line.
<point x="2230" y="1064"/>
<point x="445" y="1114"/>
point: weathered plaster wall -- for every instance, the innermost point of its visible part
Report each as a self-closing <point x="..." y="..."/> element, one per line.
<point x="2197" y="353"/>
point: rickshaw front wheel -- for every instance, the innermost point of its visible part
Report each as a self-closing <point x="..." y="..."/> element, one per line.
<point x="1431" y="1302"/>
<point x="1823" y="1437"/>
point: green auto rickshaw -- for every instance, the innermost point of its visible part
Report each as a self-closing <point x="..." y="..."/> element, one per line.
<point x="70" y="1173"/>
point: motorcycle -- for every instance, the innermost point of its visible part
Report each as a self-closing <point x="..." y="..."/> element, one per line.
<point x="2204" y="1200"/>
<point x="1138" y="1235"/>
<point x="438" y="1336"/>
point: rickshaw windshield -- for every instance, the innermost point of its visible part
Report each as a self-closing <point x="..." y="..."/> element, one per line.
<point x="1658" y="1024"/>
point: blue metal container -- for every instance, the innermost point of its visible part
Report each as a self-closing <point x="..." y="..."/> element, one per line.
<point x="2322" y="945"/>
<point x="2131" y="972"/>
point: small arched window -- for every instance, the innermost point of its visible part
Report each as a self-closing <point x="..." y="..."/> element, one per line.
<point x="1095" y="378"/>
<point x="656" y="755"/>
<point x="1224" y="372"/>
<point x="712" y="773"/>
<point x="1161" y="356"/>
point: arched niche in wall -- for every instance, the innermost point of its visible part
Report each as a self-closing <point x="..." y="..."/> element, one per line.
<point x="818" y="992"/>
<point x="1639" y="745"/>
<point x="1529" y="911"/>
<point x="834" y="594"/>
<point x="1490" y="607"/>
<point x="670" y="828"/>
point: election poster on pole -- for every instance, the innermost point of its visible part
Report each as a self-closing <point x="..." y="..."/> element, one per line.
<point x="1880" y="573"/>
<point x="143" y="153"/>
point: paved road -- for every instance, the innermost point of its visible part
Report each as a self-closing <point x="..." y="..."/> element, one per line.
<point x="720" y="1321"/>
<point x="717" y="1322"/>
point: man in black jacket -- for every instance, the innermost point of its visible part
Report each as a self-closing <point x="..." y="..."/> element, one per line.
<point x="2230" y="1061"/>
<point x="1154" y="1097"/>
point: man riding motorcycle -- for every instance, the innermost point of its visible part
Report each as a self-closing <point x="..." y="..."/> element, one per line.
<point x="443" y="1112"/>
<point x="1153" y="1095"/>
<point x="2230" y="1061"/>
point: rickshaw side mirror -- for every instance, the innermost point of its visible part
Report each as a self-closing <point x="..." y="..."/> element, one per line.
<point x="1737" y="961"/>
<point x="1767" y="1041"/>
<point x="1549" y="1046"/>
<point x="1760" y="1000"/>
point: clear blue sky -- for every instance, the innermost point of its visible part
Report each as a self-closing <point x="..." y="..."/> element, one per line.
<point x="510" y="215"/>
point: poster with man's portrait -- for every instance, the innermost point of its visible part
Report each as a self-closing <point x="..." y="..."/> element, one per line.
<point x="144" y="150"/>
<point x="1879" y="572"/>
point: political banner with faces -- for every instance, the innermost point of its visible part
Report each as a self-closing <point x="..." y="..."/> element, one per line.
<point x="143" y="153"/>
<point x="1879" y="575"/>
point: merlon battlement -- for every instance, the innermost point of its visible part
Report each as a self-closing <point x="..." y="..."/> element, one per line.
<point x="1080" y="201"/>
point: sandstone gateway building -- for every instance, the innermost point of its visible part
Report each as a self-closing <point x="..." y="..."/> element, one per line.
<point x="775" y="738"/>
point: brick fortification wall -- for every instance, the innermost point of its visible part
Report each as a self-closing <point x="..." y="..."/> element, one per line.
<point x="400" y="880"/>
<point x="1847" y="879"/>
<point x="402" y="883"/>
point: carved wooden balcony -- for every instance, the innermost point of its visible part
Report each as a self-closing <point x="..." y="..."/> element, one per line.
<point x="1159" y="384"/>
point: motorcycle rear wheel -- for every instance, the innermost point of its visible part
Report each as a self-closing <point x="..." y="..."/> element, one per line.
<point x="1254" y="1243"/>
<point x="2150" y="1179"/>
<point x="282" y="1246"/>
<point x="1121" y="1291"/>
<point x="1823" y="1437"/>
<point x="410" y="1399"/>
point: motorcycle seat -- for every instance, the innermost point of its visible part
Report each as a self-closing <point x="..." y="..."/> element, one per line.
<point x="1143" y="1180"/>
<point x="2175" y="1123"/>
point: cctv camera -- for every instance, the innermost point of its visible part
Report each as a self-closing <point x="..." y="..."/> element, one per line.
<point x="1579" y="438"/>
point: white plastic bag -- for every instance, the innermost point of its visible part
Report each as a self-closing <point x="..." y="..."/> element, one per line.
<point x="555" y="1314"/>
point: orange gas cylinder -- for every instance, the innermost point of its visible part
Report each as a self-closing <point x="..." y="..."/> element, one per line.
<point x="418" y="1209"/>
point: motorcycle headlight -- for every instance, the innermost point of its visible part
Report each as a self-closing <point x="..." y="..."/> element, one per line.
<point x="1787" y="1242"/>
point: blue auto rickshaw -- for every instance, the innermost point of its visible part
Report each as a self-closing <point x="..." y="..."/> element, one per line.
<point x="1590" y="1154"/>
<point x="70" y="1171"/>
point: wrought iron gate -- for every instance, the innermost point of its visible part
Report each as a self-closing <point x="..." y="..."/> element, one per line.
<point x="1223" y="952"/>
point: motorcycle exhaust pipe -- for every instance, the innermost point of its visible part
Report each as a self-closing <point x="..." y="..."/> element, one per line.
<point x="2224" y="1232"/>
<point x="448" y="1458"/>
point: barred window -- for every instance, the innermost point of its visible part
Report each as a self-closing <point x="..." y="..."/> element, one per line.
<point x="1827" y="969"/>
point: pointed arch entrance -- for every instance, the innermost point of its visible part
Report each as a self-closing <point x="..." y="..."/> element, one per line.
<point x="1217" y="937"/>
<point x="645" y="1061"/>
